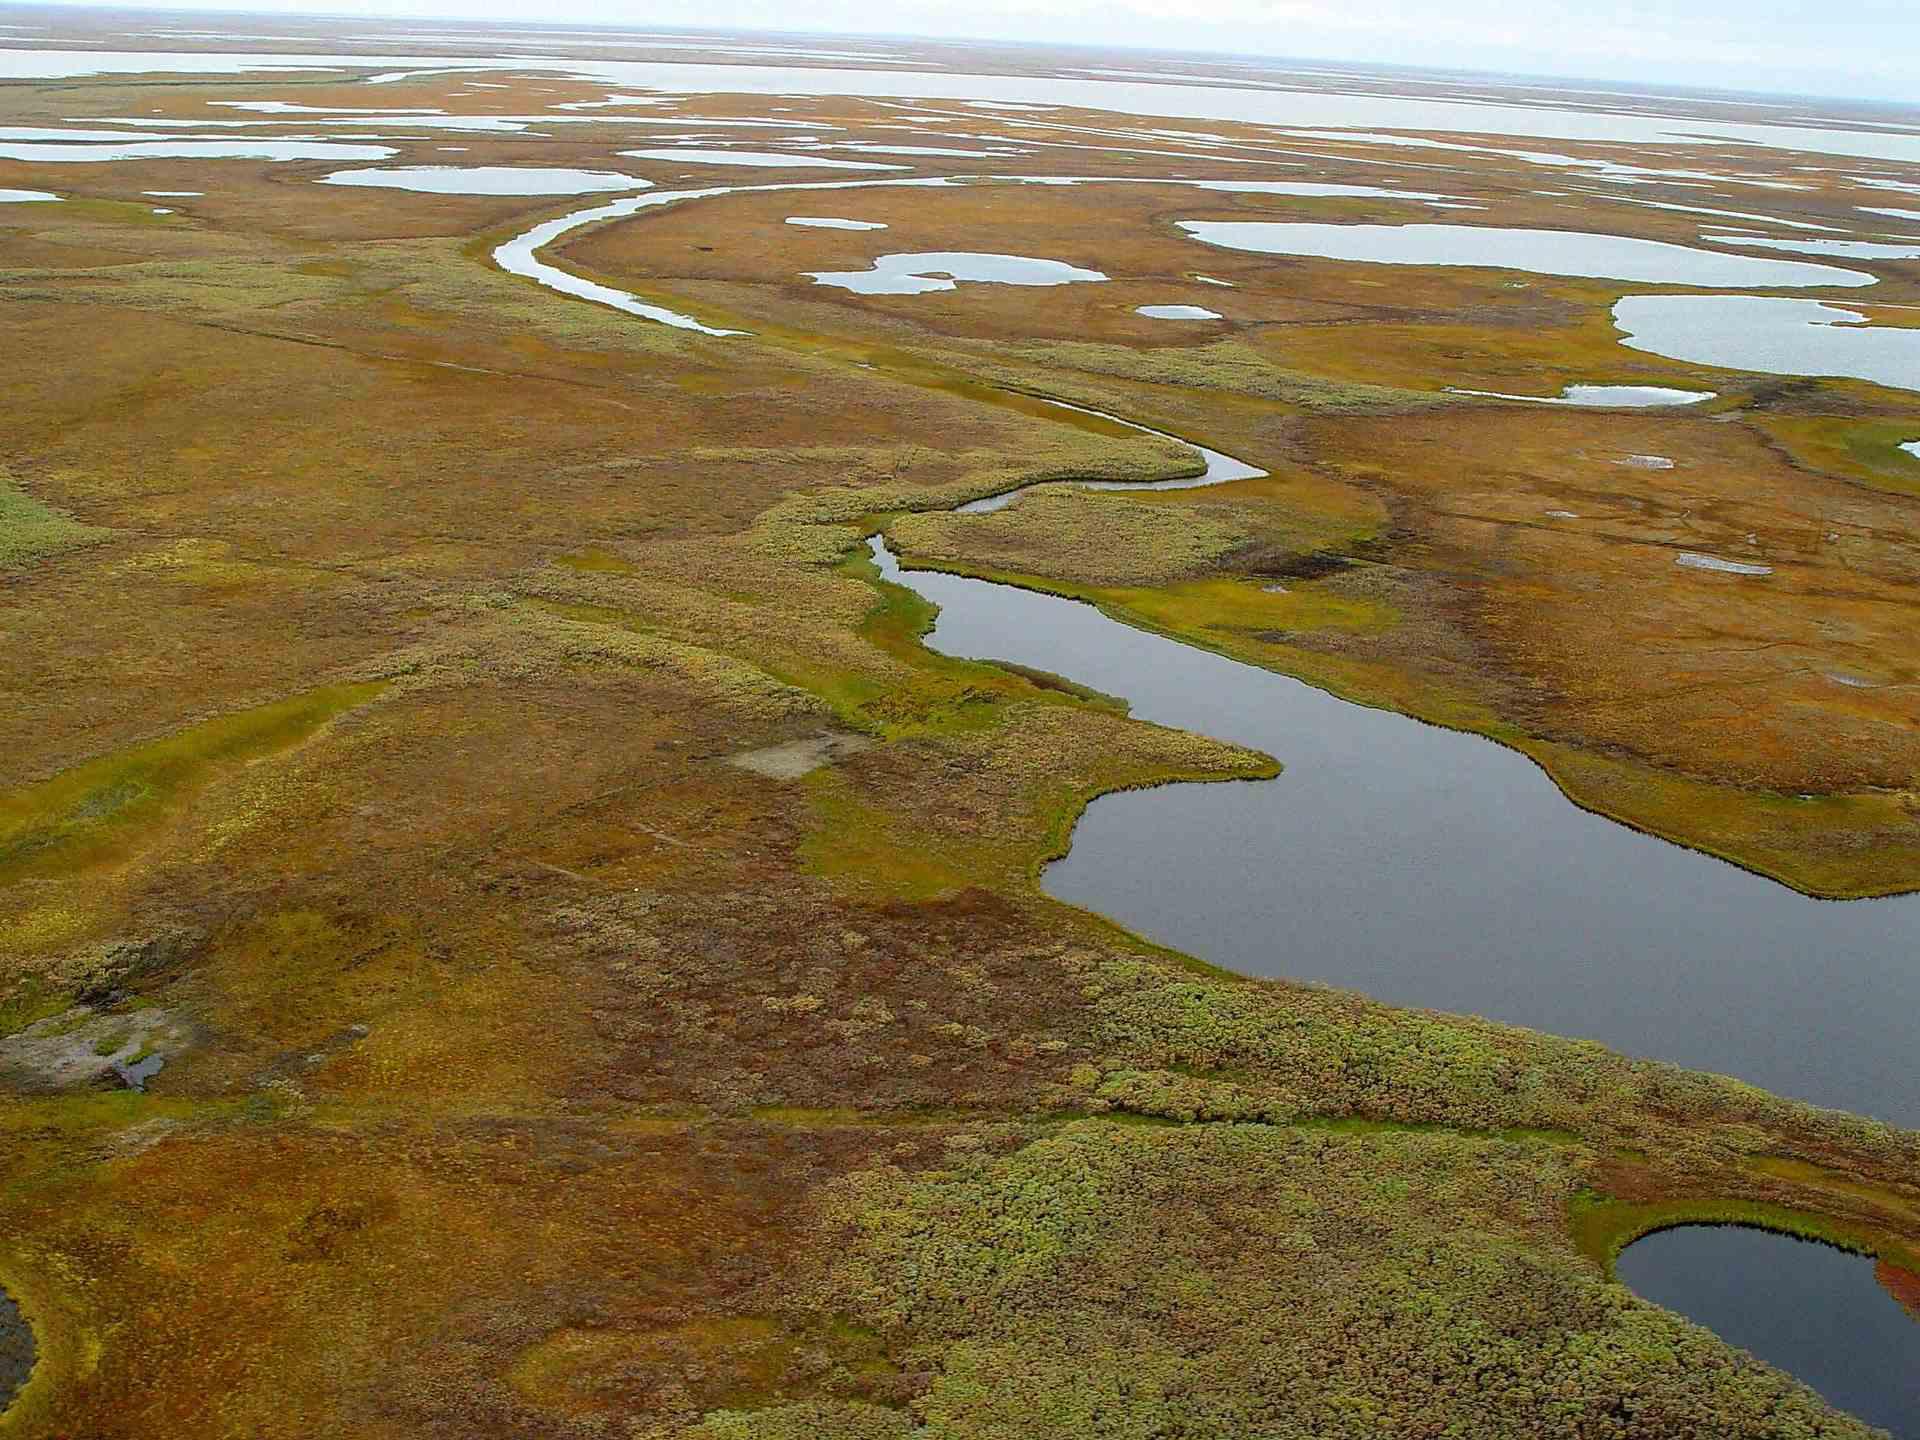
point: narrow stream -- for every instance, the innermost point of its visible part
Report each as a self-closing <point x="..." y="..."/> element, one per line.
<point x="1220" y="468"/>
<point x="1807" y="1308"/>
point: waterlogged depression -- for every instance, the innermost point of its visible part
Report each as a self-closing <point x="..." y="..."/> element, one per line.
<point x="1771" y="334"/>
<point x="1539" y="252"/>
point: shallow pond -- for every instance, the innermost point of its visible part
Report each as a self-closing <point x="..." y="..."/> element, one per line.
<point x="1634" y="397"/>
<point x="1433" y="868"/>
<point x="1808" y="1308"/>
<point x="1771" y="334"/>
<point x="1541" y="252"/>
<point x="765" y="159"/>
<point x="924" y="271"/>
<point x="25" y="197"/>
<point x="1839" y="249"/>
<point x="1690" y="561"/>
<point x="487" y="180"/>
<point x="1309" y="191"/>
<point x="827" y="222"/>
<point x="1176" y="312"/>
<point x="53" y="153"/>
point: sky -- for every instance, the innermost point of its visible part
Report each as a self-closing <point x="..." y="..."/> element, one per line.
<point x="1862" y="49"/>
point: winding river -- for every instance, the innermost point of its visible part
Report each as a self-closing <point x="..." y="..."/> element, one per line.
<point x="1431" y="867"/>
<point x="1423" y="866"/>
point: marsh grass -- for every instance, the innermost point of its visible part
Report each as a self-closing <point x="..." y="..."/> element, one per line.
<point x="92" y="813"/>
<point x="31" y="531"/>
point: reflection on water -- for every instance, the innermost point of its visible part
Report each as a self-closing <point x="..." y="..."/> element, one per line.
<point x="1543" y="252"/>
<point x="766" y="159"/>
<point x="1634" y="397"/>
<point x="1770" y="334"/>
<point x="55" y="153"/>
<point x="1176" y="312"/>
<point x="826" y="222"/>
<point x="1690" y="561"/>
<point x="1429" y="867"/>
<point x="1218" y="468"/>
<point x="1810" y="1309"/>
<point x="1842" y="249"/>
<point x="924" y="271"/>
<point x="487" y="180"/>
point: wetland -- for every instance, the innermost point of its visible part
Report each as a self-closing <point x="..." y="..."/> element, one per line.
<point x="885" y="843"/>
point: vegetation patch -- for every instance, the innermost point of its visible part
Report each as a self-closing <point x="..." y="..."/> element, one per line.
<point x="95" y="812"/>
<point x="31" y="531"/>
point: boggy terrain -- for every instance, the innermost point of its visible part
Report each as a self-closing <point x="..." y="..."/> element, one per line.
<point x="508" y="931"/>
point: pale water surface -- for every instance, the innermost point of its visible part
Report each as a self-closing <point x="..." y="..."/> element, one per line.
<point x="1772" y="335"/>
<point x="1632" y="397"/>
<point x="826" y="222"/>
<point x="487" y="180"/>
<point x="765" y="159"/>
<point x="1543" y="252"/>
<point x="919" y="273"/>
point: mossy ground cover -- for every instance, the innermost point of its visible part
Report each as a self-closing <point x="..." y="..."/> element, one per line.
<point x="531" y="1069"/>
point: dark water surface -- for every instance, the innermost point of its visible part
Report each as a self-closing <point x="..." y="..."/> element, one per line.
<point x="16" y="1350"/>
<point x="1428" y="867"/>
<point x="1807" y="1308"/>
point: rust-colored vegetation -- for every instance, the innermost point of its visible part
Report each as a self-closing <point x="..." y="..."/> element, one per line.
<point x="593" y="951"/>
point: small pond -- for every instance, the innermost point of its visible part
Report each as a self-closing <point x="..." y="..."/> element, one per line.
<point x="1814" y="1311"/>
<point x="828" y="222"/>
<point x="1773" y="335"/>
<point x="1632" y="397"/>
<point x="919" y="273"/>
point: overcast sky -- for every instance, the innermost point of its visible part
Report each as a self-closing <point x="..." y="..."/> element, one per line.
<point x="1859" y="48"/>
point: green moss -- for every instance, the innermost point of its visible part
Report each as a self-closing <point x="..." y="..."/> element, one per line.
<point x="596" y="562"/>
<point x="1226" y="365"/>
<point x="111" y="1042"/>
<point x="1232" y="1280"/>
<point x="29" y="1002"/>
<point x="809" y="1420"/>
<point x="31" y="531"/>
<point x="1602" y="1227"/>
<point x="98" y="809"/>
